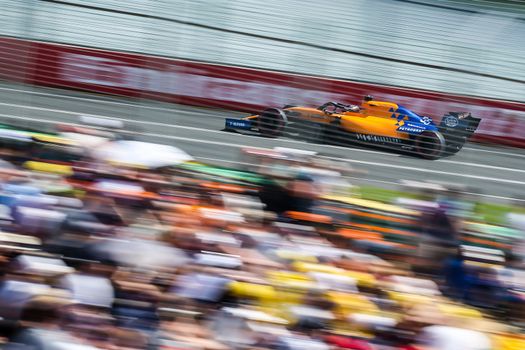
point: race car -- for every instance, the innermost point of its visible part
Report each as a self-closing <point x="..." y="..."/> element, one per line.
<point x="384" y="124"/>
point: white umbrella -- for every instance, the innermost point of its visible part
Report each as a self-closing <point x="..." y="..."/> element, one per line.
<point x="218" y="260"/>
<point x="89" y="290"/>
<point x="15" y="135"/>
<point x="451" y="338"/>
<point x="118" y="186"/>
<point x="140" y="154"/>
<point x="202" y="287"/>
<point x="85" y="140"/>
<point x="6" y="165"/>
<point x="43" y="266"/>
<point x="142" y="253"/>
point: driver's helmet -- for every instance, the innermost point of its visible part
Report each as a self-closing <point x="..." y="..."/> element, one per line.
<point x="368" y="98"/>
<point x="353" y="108"/>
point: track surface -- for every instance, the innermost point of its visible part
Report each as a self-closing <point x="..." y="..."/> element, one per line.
<point x="494" y="172"/>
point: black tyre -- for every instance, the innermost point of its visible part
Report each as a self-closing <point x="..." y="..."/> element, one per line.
<point x="271" y="122"/>
<point x="455" y="144"/>
<point x="430" y="144"/>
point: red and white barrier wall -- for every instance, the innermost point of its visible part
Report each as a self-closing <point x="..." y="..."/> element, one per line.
<point x="213" y="85"/>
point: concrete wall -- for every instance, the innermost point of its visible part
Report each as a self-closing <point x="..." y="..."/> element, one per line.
<point x="443" y="47"/>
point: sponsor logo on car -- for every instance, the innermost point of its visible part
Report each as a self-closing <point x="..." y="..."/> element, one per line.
<point x="411" y="128"/>
<point x="426" y="120"/>
<point x="375" y="138"/>
<point x="451" y="121"/>
<point x="240" y="124"/>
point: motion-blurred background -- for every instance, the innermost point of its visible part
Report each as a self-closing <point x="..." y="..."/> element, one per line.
<point x="432" y="57"/>
<point x="251" y="244"/>
<point x="463" y="47"/>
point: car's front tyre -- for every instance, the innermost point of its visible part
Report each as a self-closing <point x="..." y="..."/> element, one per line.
<point x="271" y="122"/>
<point x="430" y="144"/>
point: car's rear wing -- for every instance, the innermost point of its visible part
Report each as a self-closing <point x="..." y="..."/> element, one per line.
<point x="457" y="128"/>
<point x="459" y="124"/>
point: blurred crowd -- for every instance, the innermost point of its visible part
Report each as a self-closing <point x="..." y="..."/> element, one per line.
<point x="99" y="253"/>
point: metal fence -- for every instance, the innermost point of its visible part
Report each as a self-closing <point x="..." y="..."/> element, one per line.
<point x="470" y="48"/>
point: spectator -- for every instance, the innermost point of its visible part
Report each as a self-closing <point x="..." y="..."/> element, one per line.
<point x="439" y="239"/>
<point x="455" y="275"/>
<point x="304" y="193"/>
<point x="42" y="320"/>
<point x="275" y="197"/>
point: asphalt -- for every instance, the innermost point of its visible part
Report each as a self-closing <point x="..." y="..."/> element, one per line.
<point x="495" y="173"/>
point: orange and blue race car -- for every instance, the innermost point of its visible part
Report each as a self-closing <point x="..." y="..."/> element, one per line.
<point x="384" y="124"/>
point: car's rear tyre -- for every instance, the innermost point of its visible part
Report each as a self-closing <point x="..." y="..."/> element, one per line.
<point x="455" y="144"/>
<point x="430" y="144"/>
<point x="271" y="122"/>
